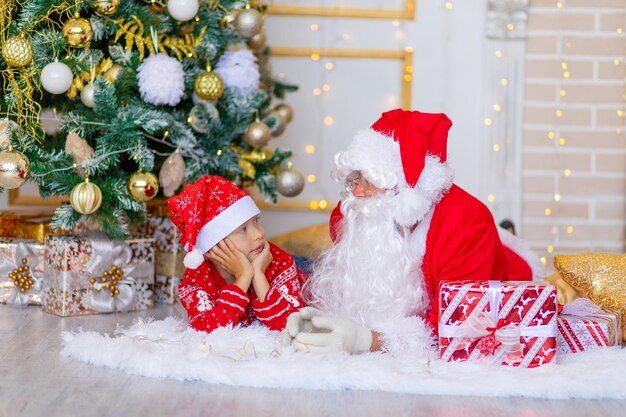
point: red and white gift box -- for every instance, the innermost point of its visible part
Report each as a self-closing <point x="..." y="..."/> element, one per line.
<point x="584" y="326"/>
<point x="494" y="322"/>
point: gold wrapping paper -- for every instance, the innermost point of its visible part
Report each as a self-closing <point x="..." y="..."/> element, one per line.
<point x="597" y="276"/>
<point x="9" y="220"/>
<point x="308" y="241"/>
<point x="35" y="229"/>
<point x="169" y="264"/>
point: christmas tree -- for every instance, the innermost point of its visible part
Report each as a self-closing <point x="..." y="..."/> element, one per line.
<point x="140" y="87"/>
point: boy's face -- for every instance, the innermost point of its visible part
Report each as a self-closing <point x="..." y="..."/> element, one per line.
<point x="249" y="238"/>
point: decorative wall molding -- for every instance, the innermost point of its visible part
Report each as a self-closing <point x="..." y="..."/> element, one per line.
<point x="408" y="13"/>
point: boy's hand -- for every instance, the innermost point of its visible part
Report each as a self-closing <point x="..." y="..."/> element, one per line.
<point x="263" y="259"/>
<point x="234" y="262"/>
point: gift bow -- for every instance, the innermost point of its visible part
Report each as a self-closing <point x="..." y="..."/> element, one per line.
<point x="16" y="297"/>
<point x="105" y="254"/>
<point x="494" y="338"/>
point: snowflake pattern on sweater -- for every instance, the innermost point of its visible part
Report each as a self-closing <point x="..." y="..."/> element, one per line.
<point x="211" y="302"/>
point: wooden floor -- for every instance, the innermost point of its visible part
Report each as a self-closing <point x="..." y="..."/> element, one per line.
<point x="36" y="381"/>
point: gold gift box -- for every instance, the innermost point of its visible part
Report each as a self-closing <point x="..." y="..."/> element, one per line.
<point x="10" y="219"/>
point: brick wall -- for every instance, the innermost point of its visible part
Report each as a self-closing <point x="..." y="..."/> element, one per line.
<point x="574" y="181"/>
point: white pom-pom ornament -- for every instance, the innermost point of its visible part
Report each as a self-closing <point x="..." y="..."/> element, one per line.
<point x="56" y="78"/>
<point x="239" y="71"/>
<point x="161" y="80"/>
<point x="183" y="10"/>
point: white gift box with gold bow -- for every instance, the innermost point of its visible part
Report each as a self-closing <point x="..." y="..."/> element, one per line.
<point x="21" y="271"/>
<point x="92" y="274"/>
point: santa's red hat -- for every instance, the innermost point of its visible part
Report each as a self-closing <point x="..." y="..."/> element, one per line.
<point x="206" y="212"/>
<point x="405" y="151"/>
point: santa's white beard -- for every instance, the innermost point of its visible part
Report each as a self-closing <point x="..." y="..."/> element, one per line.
<point x="369" y="275"/>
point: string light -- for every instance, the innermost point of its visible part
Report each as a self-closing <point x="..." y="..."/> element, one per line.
<point x="311" y="178"/>
<point x="323" y="204"/>
<point x="317" y="91"/>
<point x="328" y="121"/>
<point x="488" y="121"/>
<point x="491" y="198"/>
<point x="309" y="149"/>
<point x="315" y="27"/>
<point x="448" y="5"/>
<point x="570" y="229"/>
<point x="329" y="66"/>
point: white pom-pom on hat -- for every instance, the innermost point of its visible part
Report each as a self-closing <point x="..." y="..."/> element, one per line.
<point x="193" y="259"/>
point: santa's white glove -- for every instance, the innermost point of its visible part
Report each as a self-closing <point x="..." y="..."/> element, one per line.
<point x="335" y="334"/>
<point x="299" y="322"/>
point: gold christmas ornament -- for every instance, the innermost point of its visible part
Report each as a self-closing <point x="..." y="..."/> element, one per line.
<point x="279" y="125"/>
<point x="257" y="134"/>
<point x="86" y="197"/>
<point x="143" y="186"/>
<point x="106" y="7"/>
<point x="172" y="174"/>
<point x="18" y="52"/>
<point x="248" y="22"/>
<point x="290" y="182"/>
<point x="285" y="111"/>
<point x="209" y="85"/>
<point x="257" y="41"/>
<point x="14" y="168"/>
<point x="77" y="32"/>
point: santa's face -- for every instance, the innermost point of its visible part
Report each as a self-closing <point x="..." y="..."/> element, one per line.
<point x="360" y="187"/>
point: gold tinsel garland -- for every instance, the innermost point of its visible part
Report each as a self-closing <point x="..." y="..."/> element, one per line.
<point x="18" y="81"/>
<point x="133" y="33"/>
<point x="85" y="77"/>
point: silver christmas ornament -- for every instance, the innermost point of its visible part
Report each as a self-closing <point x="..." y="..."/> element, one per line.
<point x="257" y="134"/>
<point x="290" y="182"/>
<point x="248" y="22"/>
<point x="279" y="125"/>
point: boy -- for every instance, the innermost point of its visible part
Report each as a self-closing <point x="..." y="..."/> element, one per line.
<point x="234" y="275"/>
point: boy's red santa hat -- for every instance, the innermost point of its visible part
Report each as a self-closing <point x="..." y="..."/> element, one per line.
<point x="405" y="151"/>
<point x="206" y="212"/>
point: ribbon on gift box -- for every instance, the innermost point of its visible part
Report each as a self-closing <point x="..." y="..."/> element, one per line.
<point x="108" y="253"/>
<point x="496" y="337"/>
<point x="24" y="256"/>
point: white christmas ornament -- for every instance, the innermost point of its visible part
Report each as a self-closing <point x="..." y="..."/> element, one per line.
<point x="161" y="80"/>
<point x="86" y="96"/>
<point x="56" y="78"/>
<point x="239" y="71"/>
<point x="183" y="10"/>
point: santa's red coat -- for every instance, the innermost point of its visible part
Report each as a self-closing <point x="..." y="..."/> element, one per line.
<point x="211" y="302"/>
<point x="462" y="243"/>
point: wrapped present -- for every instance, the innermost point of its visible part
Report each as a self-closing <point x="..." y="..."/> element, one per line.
<point x="21" y="271"/>
<point x="493" y="322"/>
<point x="169" y="267"/>
<point x="91" y="274"/>
<point x="9" y="220"/>
<point x="584" y="326"/>
<point x="39" y="227"/>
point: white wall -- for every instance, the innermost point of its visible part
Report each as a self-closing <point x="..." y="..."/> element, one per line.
<point x="448" y="50"/>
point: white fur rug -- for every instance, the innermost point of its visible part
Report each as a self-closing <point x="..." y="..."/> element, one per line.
<point x="253" y="357"/>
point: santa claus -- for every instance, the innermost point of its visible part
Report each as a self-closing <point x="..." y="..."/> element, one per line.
<point x="401" y="229"/>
